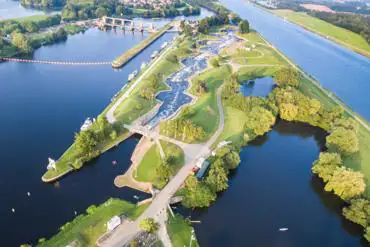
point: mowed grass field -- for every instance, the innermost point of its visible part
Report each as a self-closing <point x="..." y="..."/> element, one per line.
<point x="340" y="35"/>
<point x="146" y="171"/>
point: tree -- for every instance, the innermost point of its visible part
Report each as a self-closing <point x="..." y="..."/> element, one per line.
<point x="164" y="172"/>
<point x="367" y="234"/>
<point x="100" y="12"/>
<point x="325" y="166"/>
<point x="149" y="225"/>
<point x="197" y="194"/>
<point x="203" y="26"/>
<point x="244" y="26"/>
<point x="85" y="142"/>
<point x="288" y="111"/>
<point x="287" y="77"/>
<point x="342" y="140"/>
<point x="214" y="62"/>
<point x="21" y="42"/>
<point x="259" y="120"/>
<point x="346" y="183"/>
<point x="217" y="178"/>
<point x="232" y="160"/>
<point x="358" y="212"/>
<point x="30" y="26"/>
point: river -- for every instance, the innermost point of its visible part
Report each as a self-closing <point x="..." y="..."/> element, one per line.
<point x="42" y="107"/>
<point x="342" y="71"/>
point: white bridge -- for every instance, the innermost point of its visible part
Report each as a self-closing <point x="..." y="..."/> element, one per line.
<point x="125" y="24"/>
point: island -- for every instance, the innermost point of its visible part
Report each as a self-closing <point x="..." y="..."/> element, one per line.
<point x="194" y="115"/>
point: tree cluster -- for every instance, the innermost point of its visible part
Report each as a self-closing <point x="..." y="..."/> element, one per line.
<point x="149" y="225"/>
<point x="184" y="130"/>
<point x="87" y="141"/>
<point x="150" y="90"/>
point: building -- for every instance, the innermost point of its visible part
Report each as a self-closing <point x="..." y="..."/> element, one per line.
<point x="113" y="223"/>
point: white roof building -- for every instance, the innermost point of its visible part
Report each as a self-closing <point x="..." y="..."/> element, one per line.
<point x="113" y="223"/>
<point x="51" y="165"/>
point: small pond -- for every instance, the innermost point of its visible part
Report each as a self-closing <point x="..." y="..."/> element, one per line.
<point x="257" y="87"/>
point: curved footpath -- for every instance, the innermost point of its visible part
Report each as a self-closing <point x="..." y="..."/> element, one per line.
<point x="124" y="233"/>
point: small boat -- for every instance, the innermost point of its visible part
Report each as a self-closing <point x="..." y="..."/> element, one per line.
<point x="88" y="122"/>
<point x="114" y="162"/>
<point x="136" y="197"/>
<point x="132" y="75"/>
<point x="283" y="229"/>
<point x="143" y="66"/>
<point x="154" y="54"/>
<point x="164" y="45"/>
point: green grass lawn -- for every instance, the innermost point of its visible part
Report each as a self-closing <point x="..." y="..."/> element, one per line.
<point x="146" y="171"/>
<point x="30" y="18"/>
<point x="341" y="35"/>
<point x="87" y="228"/>
<point x="180" y="231"/>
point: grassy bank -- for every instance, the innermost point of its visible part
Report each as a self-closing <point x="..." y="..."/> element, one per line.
<point x="147" y="169"/>
<point x="180" y="232"/>
<point x="340" y="35"/>
<point x="130" y="54"/>
<point x="86" y="228"/>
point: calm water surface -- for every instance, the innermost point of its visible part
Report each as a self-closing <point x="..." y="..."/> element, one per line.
<point x="274" y="188"/>
<point x="340" y="70"/>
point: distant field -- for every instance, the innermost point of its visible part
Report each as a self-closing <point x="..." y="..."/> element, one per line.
<point x="30" y="18"/>
<point x="340" y="35"/>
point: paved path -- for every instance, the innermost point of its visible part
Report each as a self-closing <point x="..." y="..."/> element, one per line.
<point x="125" y="232"/>
<point x="110" y="114"/>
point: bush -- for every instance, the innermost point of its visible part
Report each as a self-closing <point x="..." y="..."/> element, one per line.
<point x="287" y="77"/>
<point x="346" y="183"/>
<point x="149" y="225"/>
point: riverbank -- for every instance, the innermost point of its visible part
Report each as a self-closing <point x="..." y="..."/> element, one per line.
<point x="326" y="30"/>
<point x="133" y="52"/>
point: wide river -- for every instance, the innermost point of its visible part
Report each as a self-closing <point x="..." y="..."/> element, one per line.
<point x="340" y="70"/>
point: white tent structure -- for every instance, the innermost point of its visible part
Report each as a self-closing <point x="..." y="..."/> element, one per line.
<point x="113" y="223"/>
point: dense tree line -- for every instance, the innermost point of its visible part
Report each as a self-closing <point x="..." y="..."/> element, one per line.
<point x="356" y="23"/>
<point x="182" y="129"/>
